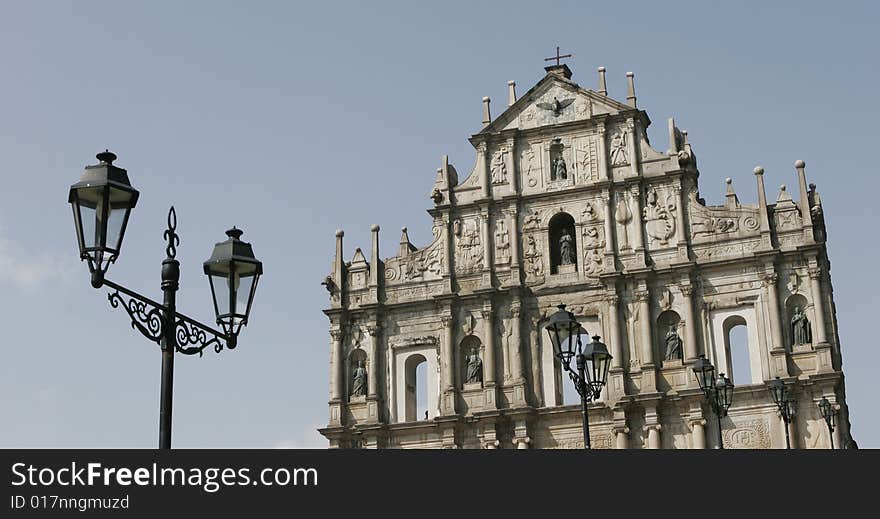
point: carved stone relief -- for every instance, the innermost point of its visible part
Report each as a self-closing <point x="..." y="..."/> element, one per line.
<point x="469" y="252"/>
<point x="618" y="149"/>
<point x="587" y="164"/>
<point x="623" y="216"/>
<point x="594" y="243"/>
<point x="502" y="243"/>
<point x="659" y="216"/>
<point x="529" y="166"/>
<point x="499" y="167"/>
<point x="534" y="262"/>
<point x="753" y="434"/>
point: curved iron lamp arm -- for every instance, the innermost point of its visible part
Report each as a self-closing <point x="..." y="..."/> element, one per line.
<point x="150" y="318"/>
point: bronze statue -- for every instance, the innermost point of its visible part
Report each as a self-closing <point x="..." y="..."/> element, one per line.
<point x="474" y="368"/>
<point x="800" y="327"/>
<point x="359" y="384"/>
<point x="673" y="344"/>
<point x="559" y="169"/>
<point x="566" y="249"/>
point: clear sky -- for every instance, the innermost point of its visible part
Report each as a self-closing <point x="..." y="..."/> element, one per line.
<point x="290" y="120"/>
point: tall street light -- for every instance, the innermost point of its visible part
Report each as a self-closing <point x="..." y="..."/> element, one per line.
<point x="785" y="403"/>
<point x="828" y="414"/>
<point x="102" y="201"/>
<point x="591" y="362"/>
<point x="718" y="392"/>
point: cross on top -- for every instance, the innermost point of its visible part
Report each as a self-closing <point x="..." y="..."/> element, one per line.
<point x="557" y="57"/>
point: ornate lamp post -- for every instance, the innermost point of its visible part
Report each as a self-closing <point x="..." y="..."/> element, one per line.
<point x="829" y="414"/>
<point x="102" y="201"/>
<point x="785" y="403"/>
<point x="718" y="392"/>
<point x="591" y="362"/>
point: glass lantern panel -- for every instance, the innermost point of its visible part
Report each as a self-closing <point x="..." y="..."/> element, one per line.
<point x="114" y="227"/>
<point x="220" y="285"/>
<point x="242" y="293"/>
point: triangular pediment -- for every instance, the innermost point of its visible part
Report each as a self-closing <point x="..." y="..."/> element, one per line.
<point x="555" y="100"/>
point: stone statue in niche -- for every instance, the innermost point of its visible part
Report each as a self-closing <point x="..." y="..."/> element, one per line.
<point x="800" y="327"/>
<point x="673" y="344"/>
<point x="359" y="381"/>
<point x="618" y="149"/>
<point x="566" y="249"/>
<point x="560" y="172"/>
<point x="474" y="368"/>
<point x="499" y="168"/>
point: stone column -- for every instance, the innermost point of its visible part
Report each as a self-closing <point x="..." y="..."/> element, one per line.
<point x="337" y="383"/>
<point x="698" y="433"/>
<point x="602" y="150"/>
<point x="447" y="371"/>
<point x="609" y="224"/>
<point x="631" y="136"/>
<point x="483" y="169"/>
<point x="621" y="437"/>
<point x="511" y="166"/>
<point x="614" y="331"/>
<point x="514" y="246"/>
<point x="515" y="343"/>
<point x="489" y="336"/>
<point x="653" y="436"/>
<point x="769" y="281"/>
<point x="487" y="240"/>
<point x="818" y="307"/>
<point x="680" y="234"/>
<point x="535" y="358"/>
<point x="637" y="217"/>
<point x="373" y="371"/>
<point x="690" y="329"/>
<point x="779" y="364"/>
<point x="522" y="443"/>
<point x="647" y="341"/>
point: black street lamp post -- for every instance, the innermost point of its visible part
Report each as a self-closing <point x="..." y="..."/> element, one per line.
<point x="785" y="403"/>
<point x="718" y="392"/>
<point x="828" y="414"/>
<point x="591" y="362"/>
<point x="102" y="201"/>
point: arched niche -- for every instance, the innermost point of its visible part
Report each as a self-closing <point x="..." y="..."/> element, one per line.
<point x="794" y="304"/>
<point x="563" y="244"/>
<point x="355" y="357"/>
<point x="465" y="348"/>
<point x="669" y="323"/>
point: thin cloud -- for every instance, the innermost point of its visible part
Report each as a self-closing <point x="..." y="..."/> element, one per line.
<point x="29" y="270"/>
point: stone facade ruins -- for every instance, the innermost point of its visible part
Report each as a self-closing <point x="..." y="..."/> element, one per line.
<point x="569" y="203"/>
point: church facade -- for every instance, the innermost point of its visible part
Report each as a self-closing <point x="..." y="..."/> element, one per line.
<point x="568" y="203"/>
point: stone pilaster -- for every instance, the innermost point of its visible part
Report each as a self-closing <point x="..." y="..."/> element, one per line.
<point x="680" y="232"/>
<point x="489" y="370"/>
<point x="698" y="433"/>
<point x="778" y="354"/>
<point x="447" y="404"/>
<point x="632" y="139"/>
<point x="601" y="137"/>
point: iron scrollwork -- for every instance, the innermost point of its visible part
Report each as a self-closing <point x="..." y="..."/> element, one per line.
<point x="145" y="317"/>
<point x="192" y="339"/>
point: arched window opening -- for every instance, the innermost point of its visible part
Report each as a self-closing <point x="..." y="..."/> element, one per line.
<point x="416" y="397"/>
<point x="563" y="245"/>
<point x="736" y="342"/>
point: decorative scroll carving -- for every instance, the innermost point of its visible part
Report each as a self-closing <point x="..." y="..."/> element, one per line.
<point x="410" y="342"/>
<point x="419" y="265"/>
<point x="731" y="249"/>
<point x="659" y="216"/>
